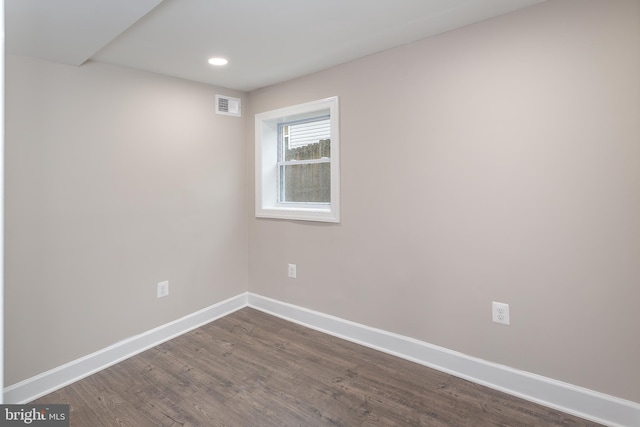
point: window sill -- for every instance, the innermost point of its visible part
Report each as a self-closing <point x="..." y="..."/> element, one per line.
<point x="299" y="214"/>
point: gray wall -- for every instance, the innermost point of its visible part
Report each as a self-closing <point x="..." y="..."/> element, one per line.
<point x="496" y="162"/>
<point x="115" y="180"/>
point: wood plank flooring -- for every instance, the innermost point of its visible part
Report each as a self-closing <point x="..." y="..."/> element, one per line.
<point x="251" y="369"/>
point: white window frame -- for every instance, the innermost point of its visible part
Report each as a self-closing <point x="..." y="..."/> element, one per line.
<point x="266" y="163"/>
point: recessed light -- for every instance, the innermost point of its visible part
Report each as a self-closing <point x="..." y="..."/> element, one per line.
<point x="218" y="61"/>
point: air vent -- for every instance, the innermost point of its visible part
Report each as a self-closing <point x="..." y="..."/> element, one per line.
<point x="228" y="106"/>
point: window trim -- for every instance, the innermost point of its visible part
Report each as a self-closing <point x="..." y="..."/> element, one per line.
<point x="266" y="169"/>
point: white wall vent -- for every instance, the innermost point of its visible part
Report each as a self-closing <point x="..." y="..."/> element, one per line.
<point x="228" y="106"/>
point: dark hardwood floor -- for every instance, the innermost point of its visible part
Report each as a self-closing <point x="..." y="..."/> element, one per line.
<point x="252" y="369"/>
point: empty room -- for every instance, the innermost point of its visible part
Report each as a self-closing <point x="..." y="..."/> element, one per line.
<point x="309" y="213"/>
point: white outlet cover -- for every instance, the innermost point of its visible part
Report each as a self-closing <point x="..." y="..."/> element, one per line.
<point x="163" y="289"/>
<point x="292" y="271"/>
<point x="500" y="313"/>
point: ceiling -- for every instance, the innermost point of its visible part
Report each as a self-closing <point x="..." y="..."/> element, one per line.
<point x="265" y="41"/>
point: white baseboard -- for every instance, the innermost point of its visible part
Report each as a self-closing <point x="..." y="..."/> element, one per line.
<point x="588" y="404"/>
<point x="49" y="381"/>
<point x="582" y="402"/>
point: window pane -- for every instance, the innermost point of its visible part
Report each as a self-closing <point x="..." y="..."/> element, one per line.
<point x="306" y="183"/>
<point x="311" y="131"/>
<point x="317" y="150"/>
<point x="306" y="140"/>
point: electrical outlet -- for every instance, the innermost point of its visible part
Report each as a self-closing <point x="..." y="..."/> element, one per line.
<point x="292" y="271"/>
<point x="500" y="313"/>
<point x="163" y="289"/>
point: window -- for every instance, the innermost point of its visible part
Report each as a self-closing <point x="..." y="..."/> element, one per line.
<point x="297" y="162"/>
<point x="304" y="161"/>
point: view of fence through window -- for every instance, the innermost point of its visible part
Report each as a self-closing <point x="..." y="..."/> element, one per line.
<point x="304" y="166"/>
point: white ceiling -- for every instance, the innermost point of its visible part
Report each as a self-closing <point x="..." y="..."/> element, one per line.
<point x="266" y="41"/>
